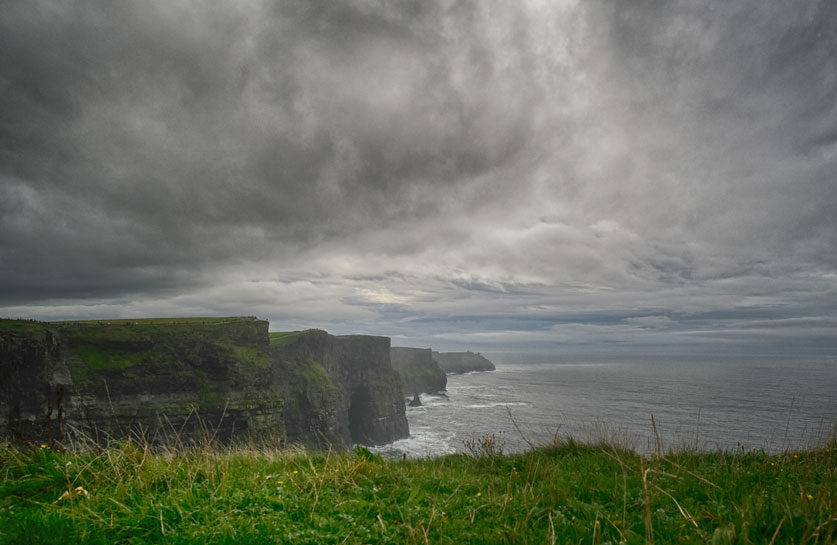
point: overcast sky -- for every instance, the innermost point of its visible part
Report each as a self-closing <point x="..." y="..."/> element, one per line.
<point x="498" y="176"/>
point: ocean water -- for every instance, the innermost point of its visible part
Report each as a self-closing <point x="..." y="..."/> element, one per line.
<point x="770" y="403"/>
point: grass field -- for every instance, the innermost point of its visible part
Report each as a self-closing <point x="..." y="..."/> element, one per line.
<point x="8" y="325"/>
<point x="282" y="338"/>
<point x="561" y="493"/>
<point x="156" y="321"/>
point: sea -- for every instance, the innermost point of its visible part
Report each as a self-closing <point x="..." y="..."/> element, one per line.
<point x="647" y="404"/>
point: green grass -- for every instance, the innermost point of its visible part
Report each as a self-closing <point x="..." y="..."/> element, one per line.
<point x="8" y="325"/>
<point x="315" y="377"/>
<point x="154" y="321"/>
<point x="98" y="358"/>
<point x="562" y="493"/>
<point x="283" y="338"/>
<point x="164" y="345"/>
<point x="250" y="356"/>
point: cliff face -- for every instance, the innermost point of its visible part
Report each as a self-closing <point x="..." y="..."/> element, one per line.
<point x="340" y="390"/>
<point x="32" y="380"/>
<point x="185" y="380"/>
<point x="462" y="362"/>
<point x="165" y="381"/>
<point x="418" y="370"/>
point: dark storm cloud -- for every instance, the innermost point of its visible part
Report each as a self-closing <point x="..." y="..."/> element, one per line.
<point x="171" y="134"/>
<point x="536" y="173"/>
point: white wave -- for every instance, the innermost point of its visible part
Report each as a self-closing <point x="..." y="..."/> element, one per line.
<point x="492" y="405"/>
<point x="423" y="442"/>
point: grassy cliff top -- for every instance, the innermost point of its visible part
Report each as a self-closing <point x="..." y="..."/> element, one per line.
<point x="127" y="329"/>
<point x="282" y="338"/>
<point x="237" y="344"/>
<point x="8" y="325"/>
<point x="560" y="493"/>
<point x="21" y="325"/>
<point x="157" y="321"/>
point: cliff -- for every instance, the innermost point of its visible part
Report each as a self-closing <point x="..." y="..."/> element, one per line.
<point x="462" y="362"/>
<point x="191" y="379"/>
<point x="340" y="390"/>
<point x="162" y="380"/>
<point x="418" y="370"/>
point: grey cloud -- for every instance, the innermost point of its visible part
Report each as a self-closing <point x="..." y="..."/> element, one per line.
<point x="623" y="172"/>
<point x="294" y="123"/>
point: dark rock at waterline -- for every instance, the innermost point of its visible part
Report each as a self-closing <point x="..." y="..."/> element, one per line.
<point x="416" y="401"/>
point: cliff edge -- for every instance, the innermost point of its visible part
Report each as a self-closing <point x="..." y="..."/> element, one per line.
<point x="419" y="371"/>
<point x="462" y="362"/>
<point x="163" y="380"/>
<point x="189" y="380"/>
<point x="340" y="389"/>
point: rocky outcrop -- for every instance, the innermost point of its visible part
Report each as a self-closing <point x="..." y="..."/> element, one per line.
<point x="340" y="390"/>
<point x="462" y="362"/>
<point x="190" y="380"/>
<point x="418" y="370"/>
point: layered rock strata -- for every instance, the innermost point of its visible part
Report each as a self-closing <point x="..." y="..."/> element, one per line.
<point x="173" y="382"/>
<point x="184" y="381"/>
<point x="343" y="389"/>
